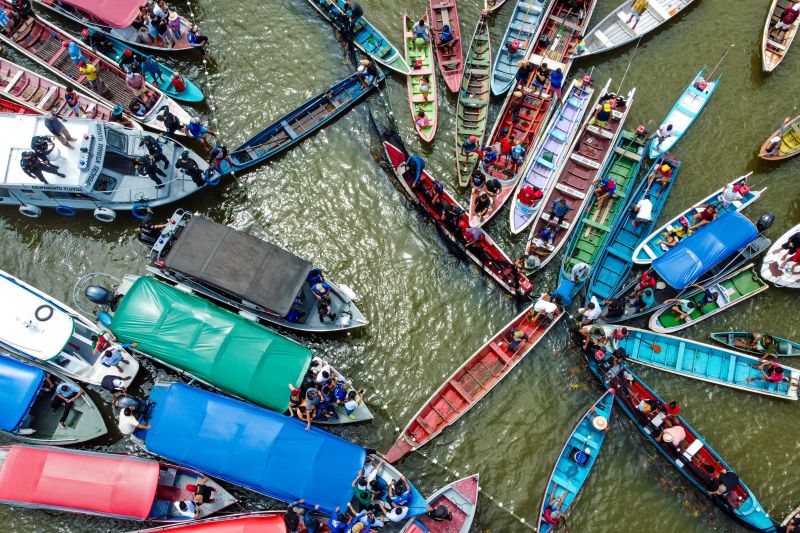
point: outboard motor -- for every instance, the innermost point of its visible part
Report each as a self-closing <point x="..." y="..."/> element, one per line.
<point x="765" y="222"/>
<point x="99" y="295"/>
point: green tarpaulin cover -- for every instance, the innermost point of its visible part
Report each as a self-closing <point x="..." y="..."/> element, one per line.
<point x="213" y="344"/>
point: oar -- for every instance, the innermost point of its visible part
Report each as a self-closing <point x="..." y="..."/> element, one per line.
<point x="527" y="12"/>
<point x="719" y="62"/>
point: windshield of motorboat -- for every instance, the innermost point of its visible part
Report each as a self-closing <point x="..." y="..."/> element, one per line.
<point x="116" y="141"/>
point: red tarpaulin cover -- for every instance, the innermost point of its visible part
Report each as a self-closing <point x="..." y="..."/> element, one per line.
<point x="122" y="486"/>
<point x="117" y="13"/>
<point x="245" y="524"/>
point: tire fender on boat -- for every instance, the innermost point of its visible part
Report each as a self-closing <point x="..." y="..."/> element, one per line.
<point x="30" y="211"/>
<point x="139" y="210"/>
<point x="104" y="214"/>
<point x="65" y="211"/>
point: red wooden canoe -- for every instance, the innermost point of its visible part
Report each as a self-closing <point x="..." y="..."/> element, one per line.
<point x="467" y="385"/>
<point x="9" y="106"/>
<point x="261" y="522"/>
<point x="450" y="59"/>
<point x="485" y="253"/>
<point x="44" y="43"/>
<point x="558" y="35"/>
<point x="460" y="498"/>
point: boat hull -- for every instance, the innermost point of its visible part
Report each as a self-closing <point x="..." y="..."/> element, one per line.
<point x="449" y="59"/>
<point x="461" y="500"/>
<point x="772" y="51"/>
<point x="422" y="56"/>
<point x="771" y="270"/>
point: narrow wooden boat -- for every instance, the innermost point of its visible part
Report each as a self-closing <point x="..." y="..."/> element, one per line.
<point x="9" y="106"/>
<point x="592" y="232"/>
<point x="685" y="112"/>
<point x="470" y="383"/>
<point x="461" y="499"/>
<point x="261" y="522"/>
<point x="789" y="132"/>
<point x="449" y="58"/>
<point x="42" y="42"/>
<point x="697" y="461"/>
<point x="775" y="43"/>
<point x="485" y="253"/>
<point x="575" y="183"/>
<point x="577" y="458"/>
<point x="492" y="5"/>
<point x="25" y="407"/>
<point x="739" y="340"/>
<point x="472" y="110"/>
<point x="772" y="269"/>
<point x="364" y="35"/>
<point x="731" y="290"/>
<point x="115" y="19"/>
<point x="703" y="362"/>
<point x="528" y="15"/>
<point x="652" y="246"/>
<point x="546" y="158"/>
<point x="559" y="35"/>
<point x="615" y="30"/>
<point x="110" y="485"/>
<point x="615" y="261"/>
<point x="420" y="61"/>
<point x="40" y="95"/>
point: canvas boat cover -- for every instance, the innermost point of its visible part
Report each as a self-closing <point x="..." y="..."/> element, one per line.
<point x="249" y="446"/>
<point x="84" y="482"/>
<point x="220" y="347"/>
<point x="19" y="385"/>
<point x="116" y="13"/>
<point x="244" y="524"/>
<point x="711" y="244"/>
<point x="238" y="263"/>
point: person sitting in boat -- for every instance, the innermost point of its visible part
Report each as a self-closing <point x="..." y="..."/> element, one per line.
<point x="604" y="189"/>
<point x="770" y="372"/>
<point x="709" y="296"/>
<point x="675" y="436"/>
<point x="512" y="46"/>
<point x="638" y="7"/>
<point x="422" y="120"/>
<point x="601" y="115"/>
<point x="400" y="492"/>
<point x="643" y="210"/>
<point x="646" y="300"/>
<point x="759" y="343"/>
<point x="295" y="401"/>
<point x="363" y="521"/>
<point x="128" y="423"/>
<point x="682" y="309"/>
<point x="177" y="82"/>
<point x="541" y="77"/>
<point x="489" y="158"/>
<point x="198" y="41"/>
<point x="614" y="308"/>
<point x="524" y="71"/>
<point x="787" y="20"/>
<point x="645" y="280"/>
<point x="66" y="394"/>
<point x="668" y="240"/>
<point x="591" y="312"/>
<point x="733" y="192"/>
<point x="727" y="482"/>
<point x="421" y="33"/>
<point x="647" y="406"/>
<point x="493" y="187"/>
<point x="671" y="411"/>
<point x="96" y="41"/>
<point x="482" y="205"/>
<point x="774" y="146"/>
<point x="663" y="133"/>
<point x="661" y="175"/>
<point x="528" y="262"/>
<point x="704" y="216"/>
<point x="529" y="195"/>
<point x="366" y="73"/>
<point x="551" y="514"/>
<point x="517" y="155"/>
<point x="547" y="307"/>
<point x="446" y="37"/>
<point x="137" y="107"/>
<point x="515" y="338"/>
<point x="473" y="236"/>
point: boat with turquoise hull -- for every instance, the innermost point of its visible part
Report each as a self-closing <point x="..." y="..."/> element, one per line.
<point x="740" y="340"/>
<point x="524" y="23"/>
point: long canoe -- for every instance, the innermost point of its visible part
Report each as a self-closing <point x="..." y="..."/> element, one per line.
<point x="731" y="290"/>
<point x="420" y="60"/>
<point x="703" y="362"/>
<point x="469" y="383"/>
<point x="461" y="500"/>
<point x="785" y="347"/>
<point x="589" y="239"/>
<point x="9" y="106"/>
<point x="547" y="157"/>
<point x="615" y="261"/>
<point x="696" y="459"/>
<point x="364" y="35"/>
<point x="449" y="58"/>
<point x="684" y="113"/>
<point x="577" y="458"/>
<point x="771" y="270"/>
<point x="650" y="248"/>
<point x="575" y="183"/>
<point x="615" y="30"/>
<point x="528" y="15"/>
<point x="485" y="253"/>
<point x="261" y="521"/>
<point x="472" y="110"/>
<point x="775" y="43"/>
<point x="559" y="35"/>
<point x="41" y="42"/>
<point x="789" y="133"/>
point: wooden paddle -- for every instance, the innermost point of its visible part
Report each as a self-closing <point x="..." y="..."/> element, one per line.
<point x="656" y="348"/>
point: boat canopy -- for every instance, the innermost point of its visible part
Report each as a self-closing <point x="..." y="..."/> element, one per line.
<point x="711" y="244"/>
<point x="71" y="480"/>
<point x="33" y="325"/>
<point x="244" y="524"/>
<point x="244" y="444"/>
<point x="222" y="348"/>
<point x="19" y="385"/>
<point x="116" y="13"/>
<point x="238" y="263"/>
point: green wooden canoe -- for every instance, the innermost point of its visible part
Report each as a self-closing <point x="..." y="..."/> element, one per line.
<point x="786" y="348"/>
<point x="420" y="60"/>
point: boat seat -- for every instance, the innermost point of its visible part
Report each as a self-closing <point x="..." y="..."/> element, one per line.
<point x="479" y="72"/>
<point x="44" y="102"/>
<point x="546" y="216"/>
<point x="449" y="62"/>
<point x="775" y="45"/>
<point x="558" y="134"/>
<point x="603" y="39"/>
<point x="600" y="132"/>
<point x="585" y="161"/>
<point x="564" y="483"/>
<point x="473" y="102"/>
<point x="544" y="162"/>
<point x="13" y="81"/>
<point x="566" y="189"/>
<point x="686" y="110"/>
<point x="659" y="11"/>
<point x="692" y="450"/>
<point x="288" y="129"/>
<point x="500" y="352"/>
<point x="627" y="153"/>
<point x="459" y="388"/>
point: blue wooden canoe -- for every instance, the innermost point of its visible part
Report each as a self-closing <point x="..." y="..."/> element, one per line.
<point x="785" y="347"/>
<point x="365" y="36"/>
<point x="684" y="113"/>
<point x="616" y="262"/>
<point x="525" y="21"/>
<point x="577" y="458"/>
<point x="704" y="362"/>
<point x="740" y="504"/>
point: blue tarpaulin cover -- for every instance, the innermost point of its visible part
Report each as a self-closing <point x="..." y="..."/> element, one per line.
<point x="695" y="255"/>
<point x="19" y="384"/>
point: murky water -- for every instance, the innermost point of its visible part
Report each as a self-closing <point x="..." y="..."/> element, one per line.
<point x="328" y="200"/>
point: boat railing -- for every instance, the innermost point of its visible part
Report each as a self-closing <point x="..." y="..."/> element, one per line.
<point x="144" y="193"/>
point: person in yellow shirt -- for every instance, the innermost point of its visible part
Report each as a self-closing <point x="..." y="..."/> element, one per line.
<point x="92" y="77"/>
<point x="638" y="7"/>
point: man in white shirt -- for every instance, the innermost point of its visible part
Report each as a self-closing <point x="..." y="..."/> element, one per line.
<point x="643" y="210"/>
<point x="591" y="312"/>
<point x="128" y="423"/>
<point x="546" y="305"/>
<point x="398" y="514"/>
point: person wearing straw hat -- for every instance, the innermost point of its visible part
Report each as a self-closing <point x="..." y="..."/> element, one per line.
<point x="675" y="436"/>
<point x="174" y="24"/>
<point x="600" y="423"/>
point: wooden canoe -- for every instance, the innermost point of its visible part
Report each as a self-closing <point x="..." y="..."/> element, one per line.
<point x="775" y="43"/>
<point x="492" y="5"/>
<point x="420" y="61"/>
<point x="703" y="362"/>
<point x="576" y="459"/>
<point x="546" y="158"/>
<point x="469" y="384"/>
<point x="789" y="133"/>
<point x="41" y="42"/>
<point x="449" y="58"/>
<point x="528" y="15"/>
<point x="559" y="34"/>
<point x="261" y="521"/>
<point x="472" y="110"/>
<point x="771" y="270"/>
<point x="461" y="499"/>
<point x="731" y="290"/>
<point x="785" y="347"/>
<point x="614" y="30"/>
<point x="9" y="106"/>
<point x="575" y="182"/>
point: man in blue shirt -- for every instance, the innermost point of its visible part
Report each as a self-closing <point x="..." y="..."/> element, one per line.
<point x="66" y="394"/>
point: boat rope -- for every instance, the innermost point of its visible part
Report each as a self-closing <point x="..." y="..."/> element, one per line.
<point x="720" y="62"/>
<point x="630" y="62"/>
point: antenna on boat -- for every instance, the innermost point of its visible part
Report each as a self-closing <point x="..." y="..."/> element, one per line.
<point x="719" y="62"/>
<point x="630" y="62"/>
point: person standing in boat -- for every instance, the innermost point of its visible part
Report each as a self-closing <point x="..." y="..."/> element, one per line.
<point x="73" y="101"/>
<point x="152" y="67"/>
<point x="146" y="166"/>
<point x="190" y="168"/>
<point x="154" y="149"/>
<point x="638" y="7"/>
<point x="661" y="134"/>
<point x="601" y="115"/>
<point x="197" y="131"/>
<point x="66" y="394"/>
<point x="89" y="71"/>
<point x="540" y="78"/>
<point x="524" y="71"/>
<point x="171" y="122"/>
<point x="556" y="83"/>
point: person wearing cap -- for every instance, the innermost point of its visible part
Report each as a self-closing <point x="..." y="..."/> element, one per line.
<point x="601" y="115"/>
<point x="127" y="60"/>
<point x="643" y="211"/>
<point x="446" y="37"/>
<point x="171" y="122"/>
<point x="551" y="514"/>
<point x="591" y="312"/>
<point x="661" y="175"/>
<point x="154" y="149"/>
<point x="66" y="394"/>
<point x="190" y="168"/>
<point x="774" y="147"/>
<point x="471" y="145"/>
<point x="146" y="166"/>
<point x="541" y="77"/>
<point x="663" y="133"/>
<point x="195" y="39"/>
